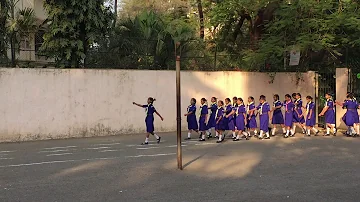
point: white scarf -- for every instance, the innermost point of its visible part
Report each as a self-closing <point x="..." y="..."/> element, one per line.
<point x="261" y="107"/>
<point x="217" y="111"/>
<point x="205" y="104"/>
<point x="277" y="101"/>
<point x="237" y="110"/>
<point x="248" y="107"/>
<point x="308" y="107"/>
<point x="296" y="101"/>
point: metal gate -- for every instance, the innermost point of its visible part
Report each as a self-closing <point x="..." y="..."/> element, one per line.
<point x="354" y="81"/>
<point x="326" y="83"/>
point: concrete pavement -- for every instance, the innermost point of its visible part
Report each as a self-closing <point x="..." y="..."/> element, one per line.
<point x="117" y="168"/>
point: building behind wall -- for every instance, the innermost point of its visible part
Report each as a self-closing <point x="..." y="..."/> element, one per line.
<point x="30" y="45"/>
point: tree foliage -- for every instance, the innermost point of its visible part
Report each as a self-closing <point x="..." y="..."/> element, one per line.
<point x="74" y="25"/>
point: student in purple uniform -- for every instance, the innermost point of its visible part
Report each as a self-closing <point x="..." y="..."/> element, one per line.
<point x="149" y="120"/>
<point x="289" y="108"/>
<point x="310" y="116"/>
<point x="203" y="118"/>
<point x="357" y="120"/>
<point x="329" y="112"/>
<point x="229" y="117"/>
<point x="251" y="122"/>
<point x="220" y="121"/>
<point x="349" y="117"/>
<point x="212" y="119"/>
<point x="277" y="118"/>
<point x="240" y="120"/>
<point x="191" y="118"/>
<point x="264" y="112"/>
<point x="235" y="105"/>
<point x="298" y="114"/>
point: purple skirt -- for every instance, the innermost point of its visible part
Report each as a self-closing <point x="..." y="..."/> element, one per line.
<point x="310" y="121"/>
<point x="297" y="119"/>
<point x="330" y="116"/>
<point x="192" y="123"/>
<point x="240" y="122"/>
<point x="289" y="119"/>
<point x="220" y="125"/>
<point x="264" y="122"/>
<point x="349" y="117"/>
<point x="212" y="121"/>
<point x="149" y="121"/>
<point x="231" y="124"/>
<point x="252" y="122"/>
<point x="202" y="124"/>
<point x="278" y="118"/>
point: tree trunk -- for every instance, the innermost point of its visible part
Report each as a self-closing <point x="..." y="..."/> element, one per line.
<point x="201" y="18"/>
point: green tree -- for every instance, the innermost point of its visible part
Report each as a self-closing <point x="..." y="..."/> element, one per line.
<point x="74" y="25"/>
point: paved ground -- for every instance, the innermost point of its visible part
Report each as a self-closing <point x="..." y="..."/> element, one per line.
<point x="118" y="169"/>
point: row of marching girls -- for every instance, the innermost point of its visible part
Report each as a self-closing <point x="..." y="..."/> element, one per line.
<point x="229" y="117"/>
<point x="241" y="119"/>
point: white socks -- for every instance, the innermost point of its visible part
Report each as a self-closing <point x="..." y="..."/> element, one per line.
<point x="273" y="131"/>
<point x="267" y="134"/>
<point x="203" y="137"/>
<point x="238" y="137"/>
<point x="156" y="136"/>
<point x="261" y="133"/>
<point x="217" y="134"/>
<point x="308" y="132"/>
<point x="189" y="135"/>
<point x="255" y="132"/>
<point x="146" y="140"/>
<point x="294" y="128"/>
<point x="315" y="130"/>
<point x="327" y="131"/>
<point x="287" y="132"/>
<point x="220" y="137"/>
<point x="284" y="130"/>
<point x="357" y="129"/>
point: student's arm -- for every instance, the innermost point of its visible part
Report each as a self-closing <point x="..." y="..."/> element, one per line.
<point x="245" y="118"/>
<point x="269" y="113"/>
<point x="339" y="103"/>
<point x="157" y="113"/>
<point x="218" y="119"/>
<point x="187" y="114"/>
<point x="231" y="113"/>
<point x="139" y="105"/>
<point x="324" y="110"/>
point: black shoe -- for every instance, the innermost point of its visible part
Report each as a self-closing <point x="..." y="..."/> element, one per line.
<point x="219" y="141"/>
<point x="202" y="140"/>
<point x="159" y="140"/>
<point x="233" y="138"/>
<point x="286" y="136"/>
<point x="209" y="136"/>
<point x="188" y="138"/>
<point x="236" y="140"/>
<point x="144" y="143"/>
<point x="267" y="138"/>
<point x="317" y="133"/>
<point x="326" y="135"/>
<point x="260" y="138"/>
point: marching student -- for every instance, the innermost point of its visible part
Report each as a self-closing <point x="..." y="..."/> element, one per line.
<point x="229" y="117"/>
<point x="277" y="117"/>
<point x="357" y="120"/>
<point x="349" y="118"/>
<point x="329" y="112"/>
<point x="220" y="121"/>
<point x="251" y="122"/>
<point x="240" y="119"/>
<point x="310" y="116"/>
<point x="212" y="119"/>
<point x="191" y="118"/>
<point x="264" y="112"/>
<point x="149" y="120"/>
<point x="203" y="118"/>
<point x="289" y="108"/>
<point x="235" y="105"/>
<point x="298" y="114"/>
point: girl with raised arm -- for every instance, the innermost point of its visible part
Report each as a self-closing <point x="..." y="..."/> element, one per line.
<point x="149" y="120"/>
